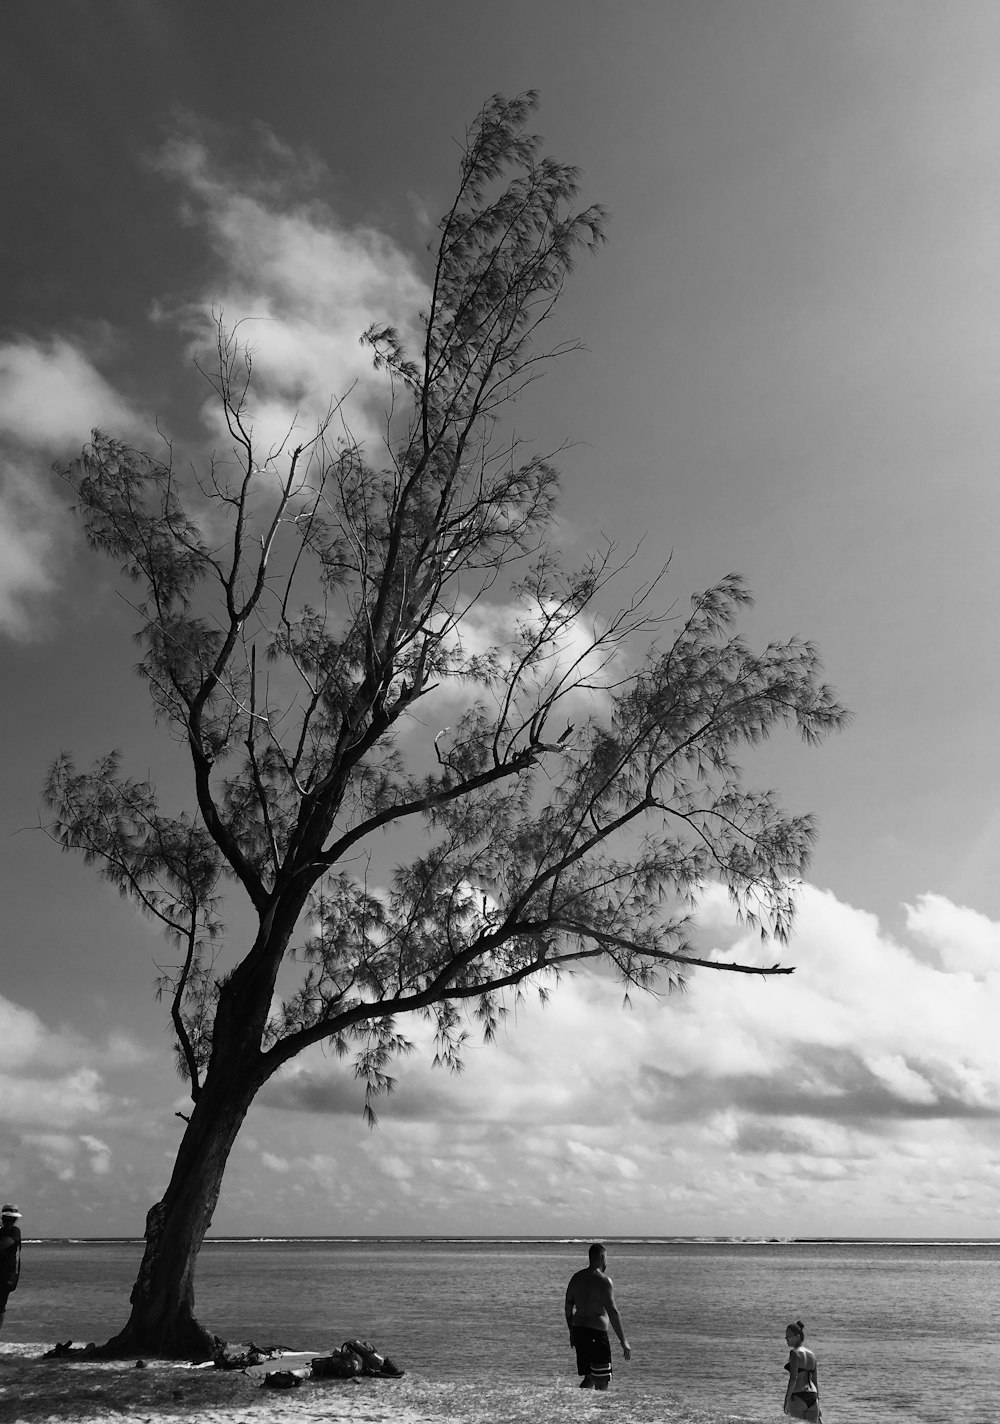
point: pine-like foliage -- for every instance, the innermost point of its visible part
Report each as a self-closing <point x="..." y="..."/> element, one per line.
<point x="304" y="611"/>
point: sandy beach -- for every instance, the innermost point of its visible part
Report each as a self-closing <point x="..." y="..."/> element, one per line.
<point x="165" y="1392"/>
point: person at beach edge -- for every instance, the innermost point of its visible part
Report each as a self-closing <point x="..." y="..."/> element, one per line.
<point x="10" y="1254"/>
<point x="590" y="1309"/>
<point x="802" y="1389"/>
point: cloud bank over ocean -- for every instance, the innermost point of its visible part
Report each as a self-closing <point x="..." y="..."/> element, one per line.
<point x="863" y="1087"/>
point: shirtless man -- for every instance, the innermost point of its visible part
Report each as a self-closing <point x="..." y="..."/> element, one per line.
<point x="590" y="1308"/>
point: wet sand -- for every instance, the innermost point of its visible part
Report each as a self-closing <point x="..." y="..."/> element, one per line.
<point x="165" y="1392"/>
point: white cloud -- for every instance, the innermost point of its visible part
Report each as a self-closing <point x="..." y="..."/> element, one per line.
<point x="273" y="1163"/>
<point x="58" y="1144"/>
<point x="963" y="938"/>
<point x="21" y="1034"/>
<point x="573" y="653"/>
<point x="60" y="1153"/>
<point x="31" y="534"/>
<point x="55" y="1152"/>
<point x="51" y="397"/>
<point x="597" y="1162"/>
<point x="60" y="1101"/>
<point x="396" y="1167"/>
<point x="902" y="1081"/>
<point x="303" y="285"/>
<point x="56" y="1076"/>
<point x="99" y="1153"/>
<point x="26" y="1041"/>
<point x="869" y="1074"/>
<point x="486" y="628"/>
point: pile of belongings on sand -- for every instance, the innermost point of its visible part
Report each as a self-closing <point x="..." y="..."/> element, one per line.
<point x="284" y="1369"/>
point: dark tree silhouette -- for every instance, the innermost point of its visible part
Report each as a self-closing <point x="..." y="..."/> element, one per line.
<point x="297" y="604"/>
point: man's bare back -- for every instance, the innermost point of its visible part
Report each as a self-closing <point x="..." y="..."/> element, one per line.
<point x="591" y="1290"/>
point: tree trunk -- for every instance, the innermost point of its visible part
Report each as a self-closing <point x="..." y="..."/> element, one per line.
<point x="163" y="1322"/>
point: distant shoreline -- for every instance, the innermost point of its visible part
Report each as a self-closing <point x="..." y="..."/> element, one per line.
<point x="429" y="1240"/>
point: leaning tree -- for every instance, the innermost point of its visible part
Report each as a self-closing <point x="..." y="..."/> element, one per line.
<point x="298" y="605"/>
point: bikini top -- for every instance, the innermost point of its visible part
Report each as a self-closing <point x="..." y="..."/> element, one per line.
<point x="803" y="1368"/>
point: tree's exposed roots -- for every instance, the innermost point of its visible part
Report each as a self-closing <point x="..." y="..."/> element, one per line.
<point x="183" y="1339"/>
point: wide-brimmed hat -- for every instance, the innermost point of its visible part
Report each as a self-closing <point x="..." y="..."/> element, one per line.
<point x="8" y="1210"/>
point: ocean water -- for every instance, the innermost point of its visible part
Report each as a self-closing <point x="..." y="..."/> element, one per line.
<point x="902" y="1331"/>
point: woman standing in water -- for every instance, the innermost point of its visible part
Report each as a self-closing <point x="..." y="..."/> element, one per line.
<point x="802" y="1392"/>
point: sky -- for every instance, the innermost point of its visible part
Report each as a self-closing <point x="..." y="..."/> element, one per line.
<point x="790" y="370"/>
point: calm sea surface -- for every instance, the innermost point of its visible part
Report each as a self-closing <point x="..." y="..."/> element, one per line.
<point x="902" y="1331"/>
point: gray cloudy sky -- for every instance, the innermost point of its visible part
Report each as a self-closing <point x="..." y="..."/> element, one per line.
<point x="792" y="371"/>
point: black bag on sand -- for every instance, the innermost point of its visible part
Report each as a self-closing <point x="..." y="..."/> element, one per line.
<point x="372" y="1362"/>
<point x="340" y="1364"/>
<point x="281" y="1379"/>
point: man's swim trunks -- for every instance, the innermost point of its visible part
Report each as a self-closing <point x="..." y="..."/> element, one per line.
<point x="593" y="1352"/>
